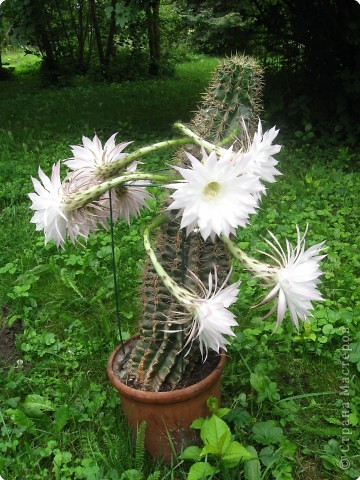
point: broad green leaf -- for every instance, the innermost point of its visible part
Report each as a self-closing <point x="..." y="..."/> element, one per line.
<point x="353" y="419"/>
<point x="36" y="405"/>
<point x="212" y="449"/>
<point x="288" y="448"/>
<point x="234" y="454"/>
<point x="21" y="420"/>
<point x="322" y="339"/>
<point x="283" y="472"/>
<point x="48" y="338"/>
<point x="332" y="447"/>
<point x="240" y="417"/>
<point x="61" y="416"/>
<point x="267" y="456"/>
<point x="9" y="267"/>
<point x="329" y="462"/>
<point x="13" y="402"/>
<point x="354" y="355"/>
<point x="61" y="457"/>
<point x="264" y="387"/>
<point x="132" y="475"/>
<point x="224" y="441"/>
<point x="252" y="469"/>
<point x="198" y="423"/>
<point x="201" y="470"/>
<point x="328" y="329"/>
<point x="267" y="433"/>
<point x="221" y="412"/>
<point x="191" y="453"/>
<point x="216" y="432"/>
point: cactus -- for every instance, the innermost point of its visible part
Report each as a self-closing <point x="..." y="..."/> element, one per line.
<point x="158" y="360"/>
<point x="234" y="92"/>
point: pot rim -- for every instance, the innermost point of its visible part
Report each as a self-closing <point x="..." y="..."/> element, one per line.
<point x="172" y="396"/>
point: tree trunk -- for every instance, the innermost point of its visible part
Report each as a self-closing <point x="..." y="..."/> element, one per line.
<point x="41" y="21"/>
<point x="152" y="16"/>
<point x="81" y="37"/>
<point x="112" y="29"/>
<point x="96" y="28"/>
<point x="79" y="17"/>
<point x="47" y="48"/>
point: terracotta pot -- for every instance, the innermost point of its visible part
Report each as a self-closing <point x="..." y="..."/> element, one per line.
<point x="168" y="414"/>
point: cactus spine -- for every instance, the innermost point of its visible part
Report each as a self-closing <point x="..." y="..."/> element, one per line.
<point x="158" y="361"/>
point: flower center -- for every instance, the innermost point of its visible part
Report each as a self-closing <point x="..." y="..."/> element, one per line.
<point x="283" y="279"/>
<point x="212" y="190"/>
<point x="121" y="192"/>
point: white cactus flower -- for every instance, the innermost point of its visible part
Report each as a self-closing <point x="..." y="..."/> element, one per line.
<point x="90" y="158"/>
<point x="55" y="215"/>
<point x="216" y="196"/>
<point x="211" y="318"/>
<point x="294" y="278"/>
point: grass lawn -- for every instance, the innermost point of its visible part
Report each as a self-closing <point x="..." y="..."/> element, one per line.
<point x="294" y="396"/>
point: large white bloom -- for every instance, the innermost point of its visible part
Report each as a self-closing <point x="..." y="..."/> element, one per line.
<point x="216" y="195"/>
<point x="128" y="200"/>
<point x="294" y="278"/>
<point x="259" y="160"/>
<point x="90" y="158"/>
<point x="89" y="165"/>
<point x="211" y="317"/>
<point x="51" y="209"/>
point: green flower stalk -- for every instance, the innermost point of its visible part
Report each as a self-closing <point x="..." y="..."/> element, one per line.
<point x="248" y="262"/>
<point x="210" y="147"/>
<point x="174" y="289"/>
<point x="105" y="162"/>
<point x="81" y="198"/>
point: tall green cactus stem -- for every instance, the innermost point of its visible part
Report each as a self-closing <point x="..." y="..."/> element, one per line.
<point x="158" y="361"/>
<point x="235" y="91"/>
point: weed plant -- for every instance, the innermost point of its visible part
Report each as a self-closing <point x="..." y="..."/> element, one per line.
<point x="293" y="396"/>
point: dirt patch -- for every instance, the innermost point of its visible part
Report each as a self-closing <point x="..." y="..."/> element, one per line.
<point x="8" y="351"/>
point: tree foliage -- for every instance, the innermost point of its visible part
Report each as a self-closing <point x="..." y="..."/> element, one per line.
<point x="75" y="36"/>
<point x="311" y="49"/>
